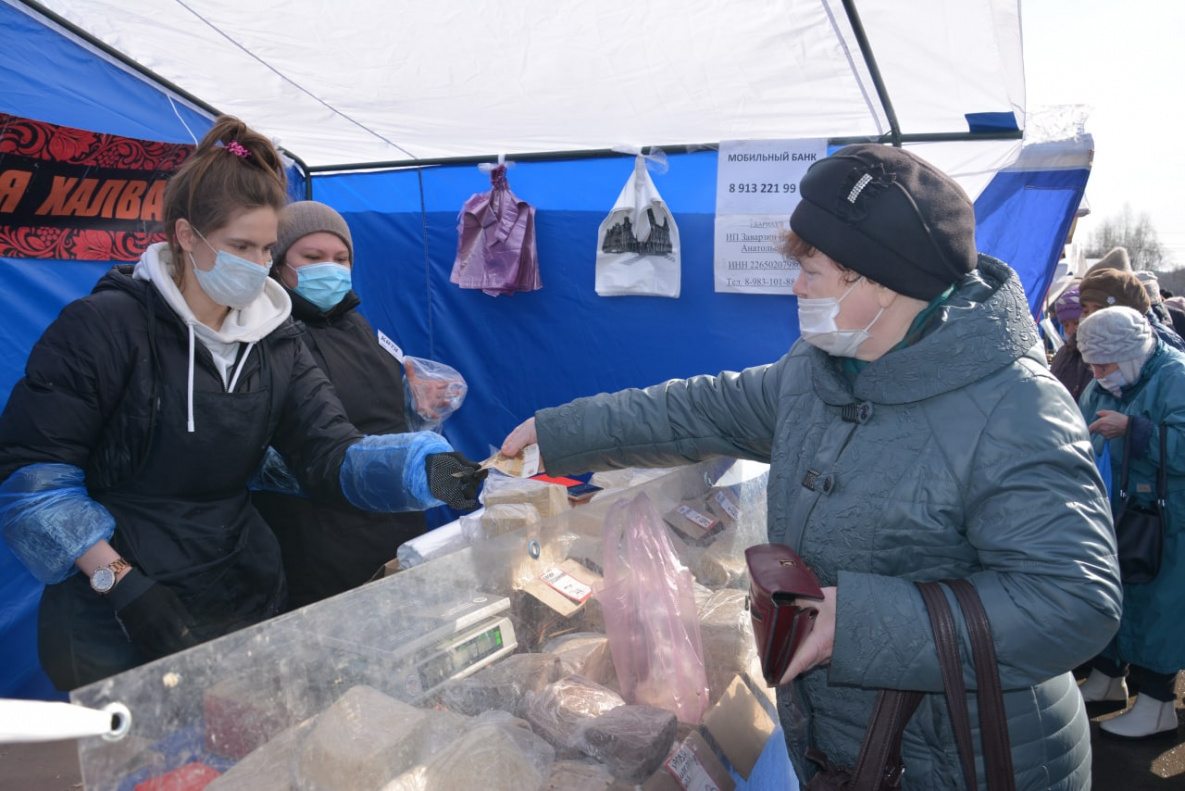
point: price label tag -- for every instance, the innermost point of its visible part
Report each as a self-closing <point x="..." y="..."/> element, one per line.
<point x="695" y="516"/>
<point x="687" y="770"/>
<point x="391" y="346"/>
<point x="725" y="502"/>
<point x="566" y="584"/>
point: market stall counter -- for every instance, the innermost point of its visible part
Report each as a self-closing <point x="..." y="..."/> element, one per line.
<point x="605" y="645"/>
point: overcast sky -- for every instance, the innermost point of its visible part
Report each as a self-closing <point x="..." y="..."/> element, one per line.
<point x="1123" y="59"/>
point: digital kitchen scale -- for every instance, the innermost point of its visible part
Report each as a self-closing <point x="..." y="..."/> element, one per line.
<point x="429" y="644"/>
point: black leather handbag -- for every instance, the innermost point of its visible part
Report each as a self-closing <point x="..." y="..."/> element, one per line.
<point x="1139" y="530"/>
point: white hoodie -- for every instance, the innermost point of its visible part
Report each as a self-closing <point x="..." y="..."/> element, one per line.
<point x="246" y="325"/>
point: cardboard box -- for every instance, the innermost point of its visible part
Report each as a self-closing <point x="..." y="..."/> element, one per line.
<point x="694" y="522"/>
<point x="565" y="587"/>
<point x="740" y="724"/>
<point x="691" y="765"/>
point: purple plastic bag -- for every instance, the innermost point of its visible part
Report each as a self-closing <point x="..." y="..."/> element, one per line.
<point x="650" y="615"/>
<point x="496" y="241"/>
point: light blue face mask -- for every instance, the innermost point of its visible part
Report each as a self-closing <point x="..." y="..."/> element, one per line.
<point x="233" y="281"/>
<point x="323" y="284"/>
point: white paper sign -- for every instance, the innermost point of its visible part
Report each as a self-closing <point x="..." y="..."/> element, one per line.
<point x="756" y="190"/>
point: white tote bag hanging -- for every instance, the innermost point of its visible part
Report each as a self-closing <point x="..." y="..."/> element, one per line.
<point x="638" y="243"/>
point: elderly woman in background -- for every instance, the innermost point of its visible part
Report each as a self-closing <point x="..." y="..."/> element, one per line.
<point x="1110" y="288"/>
<point x="1067" y="364"/>
<point x="1140" y="385"/>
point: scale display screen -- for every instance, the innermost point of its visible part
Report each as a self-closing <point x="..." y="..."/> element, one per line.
<point x="458" y="658"/>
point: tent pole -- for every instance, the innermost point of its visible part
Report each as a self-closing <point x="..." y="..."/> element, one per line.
<point x="849" y="7"/>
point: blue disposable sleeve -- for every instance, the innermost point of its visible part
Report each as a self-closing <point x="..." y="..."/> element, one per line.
<point x="385" y="472"/>
<point x="48" y="519"/>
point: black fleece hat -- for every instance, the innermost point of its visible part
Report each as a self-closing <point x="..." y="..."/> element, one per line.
<point x="889" y="215"/>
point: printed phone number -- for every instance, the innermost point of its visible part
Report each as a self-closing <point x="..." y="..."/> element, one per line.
<point x="759" y="282"/>
<point x="755" y="188"/>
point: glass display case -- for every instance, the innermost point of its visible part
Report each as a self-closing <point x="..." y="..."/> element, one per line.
<point x="409" y="681"/>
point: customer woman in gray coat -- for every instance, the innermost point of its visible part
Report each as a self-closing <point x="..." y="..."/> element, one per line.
<point x="913" y="433"/>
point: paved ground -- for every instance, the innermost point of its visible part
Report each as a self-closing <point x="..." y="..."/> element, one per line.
<point x="1118" y="766"/>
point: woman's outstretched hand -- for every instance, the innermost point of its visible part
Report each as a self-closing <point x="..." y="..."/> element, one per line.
<point x="520" y="438"/>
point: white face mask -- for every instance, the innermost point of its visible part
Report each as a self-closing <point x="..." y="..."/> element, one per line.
<point x="1112" y="382"/>
<point x="816" y="322"/>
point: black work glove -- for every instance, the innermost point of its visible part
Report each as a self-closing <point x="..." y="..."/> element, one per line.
<point x="454" y="479"/>
<point x="153" y="618"/>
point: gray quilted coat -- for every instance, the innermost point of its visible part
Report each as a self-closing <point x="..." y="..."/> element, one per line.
<point x="959" y="456"/>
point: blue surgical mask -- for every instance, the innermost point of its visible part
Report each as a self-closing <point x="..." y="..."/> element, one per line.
<point x="233" y="281"/>
<point x="323" y="284"/>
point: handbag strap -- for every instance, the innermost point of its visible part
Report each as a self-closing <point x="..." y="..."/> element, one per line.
<point x="1124" y="464"/>
<point x="993" y="722"/>
<point x="879" y="764"/>
<point x="1162" y="475"/>
<point x="1161" y="472"/>
<point x="946" y="639"/>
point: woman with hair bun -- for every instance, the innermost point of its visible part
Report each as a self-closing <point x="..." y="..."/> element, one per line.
<point x="126" y="449"/>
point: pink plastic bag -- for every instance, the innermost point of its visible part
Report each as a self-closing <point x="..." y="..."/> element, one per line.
<point x="650" y="615"/>
<point x="496" y="241"/>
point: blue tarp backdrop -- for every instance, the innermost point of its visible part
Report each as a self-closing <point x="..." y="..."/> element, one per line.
<point x="518" y="353"/>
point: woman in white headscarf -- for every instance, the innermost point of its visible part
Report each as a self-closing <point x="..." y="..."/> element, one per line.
<point x="1140" y="385"/>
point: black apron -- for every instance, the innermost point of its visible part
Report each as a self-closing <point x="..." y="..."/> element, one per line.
<point x="184" y="518"/>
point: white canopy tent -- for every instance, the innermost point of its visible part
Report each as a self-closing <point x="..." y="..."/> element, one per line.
<point x="366" y="81"/>
<point x="388" y="102"/>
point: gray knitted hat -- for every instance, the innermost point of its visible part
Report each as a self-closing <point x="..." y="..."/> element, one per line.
<point x="1151" y="285"/>
<point x="1114" y="335"/>
<point x="305" y="217"/>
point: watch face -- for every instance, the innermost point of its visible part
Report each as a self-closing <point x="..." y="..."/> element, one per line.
<point x="103" y="579"/>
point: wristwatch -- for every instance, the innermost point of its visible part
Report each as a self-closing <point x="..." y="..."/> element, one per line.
<point x="103" y="578"/>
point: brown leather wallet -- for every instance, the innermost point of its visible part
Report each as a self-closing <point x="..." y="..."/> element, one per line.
<point x="777" y="578"/>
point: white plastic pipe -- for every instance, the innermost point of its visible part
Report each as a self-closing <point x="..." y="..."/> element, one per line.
<point x="47" y="721"/>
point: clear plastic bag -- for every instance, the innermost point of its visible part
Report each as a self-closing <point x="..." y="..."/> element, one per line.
<point x="497" y="753"/>
<point x="435" y="391"/>
<point x="557" y="711"/>
<point x="650" y="613"/>
<point x="631" y="740"/>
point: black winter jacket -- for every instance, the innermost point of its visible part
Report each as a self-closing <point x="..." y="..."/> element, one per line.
<point x="331" y="548"/>
<point x="105" y="390"/>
